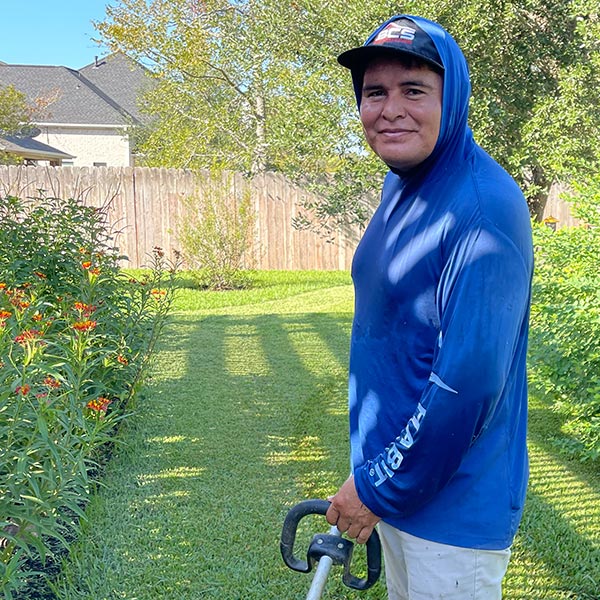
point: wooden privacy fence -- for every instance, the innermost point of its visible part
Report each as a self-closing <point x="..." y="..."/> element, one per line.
<point x="557" y="208"/>
<point x="146" y="205"/>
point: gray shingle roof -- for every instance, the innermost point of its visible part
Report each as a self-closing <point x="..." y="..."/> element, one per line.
<point x="103" y="95"/>
<point x="120" y="78"/>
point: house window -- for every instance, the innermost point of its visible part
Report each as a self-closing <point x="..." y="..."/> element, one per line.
<point x="99" y="164"/>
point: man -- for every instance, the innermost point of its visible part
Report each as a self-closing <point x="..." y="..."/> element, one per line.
<point x="442" y="275"/>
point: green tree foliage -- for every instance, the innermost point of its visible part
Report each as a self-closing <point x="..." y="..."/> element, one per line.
<point x="14" y="111"/>
<point x="14" y="116"/>
<point x="251" y="85"/>
<point x="565" y="322"/>
<point x="536" y="85"/>
<point x="231" y="83"/>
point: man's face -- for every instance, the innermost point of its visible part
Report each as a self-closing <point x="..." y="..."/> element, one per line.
<point x="401" y="111"/>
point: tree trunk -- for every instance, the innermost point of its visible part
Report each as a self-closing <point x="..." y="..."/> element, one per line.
<point x="539" y="185"/>
<point x="259" y="160"/>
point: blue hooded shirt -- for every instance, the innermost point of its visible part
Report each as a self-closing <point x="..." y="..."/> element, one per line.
<point x="437" y="383"/>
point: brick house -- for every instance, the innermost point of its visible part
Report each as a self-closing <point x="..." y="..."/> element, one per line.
<point x="86" y="114"/>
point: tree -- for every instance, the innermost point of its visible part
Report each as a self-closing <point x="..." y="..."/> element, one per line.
<point x="252" y="85"/>
<point x="14" y="116"/>
<point x="536" y="86"/>
<point x="226" y="81"/>
<point x="14" y="111"/>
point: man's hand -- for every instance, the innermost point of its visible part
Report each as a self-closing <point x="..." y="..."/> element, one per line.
<point x="349" y="514"/>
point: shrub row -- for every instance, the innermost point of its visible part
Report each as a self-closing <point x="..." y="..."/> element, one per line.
<point x="75" y="338"/>
<point x="565" y="323"/>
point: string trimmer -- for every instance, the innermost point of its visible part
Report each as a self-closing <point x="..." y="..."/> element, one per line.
<point x="327" y="549"/>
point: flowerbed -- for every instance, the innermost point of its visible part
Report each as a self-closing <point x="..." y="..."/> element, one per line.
<point x="75" y="338"/>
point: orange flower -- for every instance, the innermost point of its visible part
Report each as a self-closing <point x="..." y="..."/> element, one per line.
<point x="22" y="390"/>
<point x="51" y="382"/>
<point x="95" y="271"/>
<point x="86" y="309"/>
<point x="40" y="274"/>
<point x="100" y="404"/>
<point x="2" y="285"/>
<point x="29" y="335"/>
<point x="84" y="325"/>
<point x="157" y="293"/>
<point x="122" y="360"/>
<point x="4" y="314"/>
<point x="37" y="317"/>
<point x="18" y="302"/>
<point x="86" y="264"/>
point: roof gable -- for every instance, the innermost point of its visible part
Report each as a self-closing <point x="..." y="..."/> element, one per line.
<point x="122" y="79"/>
<point x="95" y="95"/>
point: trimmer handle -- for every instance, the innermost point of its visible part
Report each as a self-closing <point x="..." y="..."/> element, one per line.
<point x="337" y="548"/>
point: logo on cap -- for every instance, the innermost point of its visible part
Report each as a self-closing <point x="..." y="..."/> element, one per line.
<point x="395" y="33"/>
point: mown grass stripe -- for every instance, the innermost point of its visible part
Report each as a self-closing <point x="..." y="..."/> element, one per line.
<point x="194" y="501"/>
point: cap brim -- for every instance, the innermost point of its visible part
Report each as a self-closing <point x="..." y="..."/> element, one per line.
<point x="358" y="58"/>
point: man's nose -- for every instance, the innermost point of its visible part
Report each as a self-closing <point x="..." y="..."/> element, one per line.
<point x="394" y="108"/>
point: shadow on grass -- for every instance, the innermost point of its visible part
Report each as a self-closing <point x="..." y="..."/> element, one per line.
<point x="246" y="416"/>
<point x="557" y="551"/>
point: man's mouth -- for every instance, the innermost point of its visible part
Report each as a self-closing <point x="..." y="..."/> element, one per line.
<point x="395" y="133"/>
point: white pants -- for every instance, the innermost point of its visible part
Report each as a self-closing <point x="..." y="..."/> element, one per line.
<point x="418" y="569"/>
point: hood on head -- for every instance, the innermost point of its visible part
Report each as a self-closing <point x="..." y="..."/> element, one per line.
<point x="430" y="42"/>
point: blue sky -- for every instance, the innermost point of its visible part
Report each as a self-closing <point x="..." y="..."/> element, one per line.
<point x="50" y="32"/>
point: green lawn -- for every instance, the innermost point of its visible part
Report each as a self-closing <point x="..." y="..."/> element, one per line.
<point x="245" y="415"/>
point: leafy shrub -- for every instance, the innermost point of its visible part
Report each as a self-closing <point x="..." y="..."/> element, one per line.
<point x="215" y="235"/>
<point x="565" y="341"/>
<point x="75" y="338"/>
